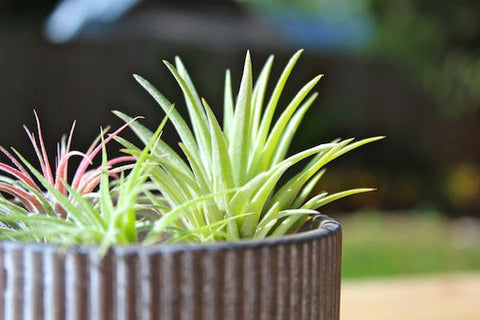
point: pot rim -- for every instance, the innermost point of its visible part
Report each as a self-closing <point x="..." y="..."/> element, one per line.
<point x="320" y="226"/>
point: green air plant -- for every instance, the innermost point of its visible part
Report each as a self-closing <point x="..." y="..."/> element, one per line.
<point x="226" y="184"/>
<point x="41" y="206"/>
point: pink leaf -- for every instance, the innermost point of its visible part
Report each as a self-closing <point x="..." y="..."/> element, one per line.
<point x="84" y="164"/>
<point x="70" y="135"/>
<point x="19" y="175"/>
<point x="61" y="173"/>
<point x="16" y="162"/>
<point x="97" y="140"/>
<point x="121" y="159"/>
<point x="94" y="179"/>
<point x="48" y="171"/>
<point x="31" y="136"/>
<point x="30" y="202"/>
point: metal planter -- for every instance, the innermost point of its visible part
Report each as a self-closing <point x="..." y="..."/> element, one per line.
<point x="292" y="277"/>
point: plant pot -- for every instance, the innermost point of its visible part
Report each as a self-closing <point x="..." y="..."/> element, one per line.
<point x="292" y="277"/>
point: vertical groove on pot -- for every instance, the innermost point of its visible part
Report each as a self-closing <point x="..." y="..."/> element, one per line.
<point x="145" y="292"/>
<point x="14" y="283"/>
<point x="337" y="274"/>
<point x="248" y="286"/>
<point x="239" y="277"/>
<point x="171" y="286"/>
<point x="266" y="288"/>
<point x="28" y="285"/>
<point x="126" y="285"/>
<point x="33" y="285"/>
<point x="140" y="285"/>
<point x="53" y="286"/>
<point x="76" y="286"/>
<point x="190" y="291"/>
<point x="329" y="260"/>
<point x="100" y="294"/>
<point x="306" y="278"/>
<point x="166" y="282"/>
<point x="294" y="287"/>
<point x="231" y="286"/>
<point x="281" y="289"/>
<point x="322" y="284"/>
<point x="156" y="266"/>
<point x="324" y="281"/>
<point x="314" y="286"/>
<point x="335" y="278"/>
<point x="212" y="288"/>
<point x="120" y="286"/>
<point x="328" y="278"/>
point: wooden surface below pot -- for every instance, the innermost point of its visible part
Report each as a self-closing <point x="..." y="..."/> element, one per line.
<point x="430" y="297"/>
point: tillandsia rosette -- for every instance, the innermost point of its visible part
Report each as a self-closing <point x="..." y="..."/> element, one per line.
<point x="41" y="205"/>
<point x="225" y="183"/>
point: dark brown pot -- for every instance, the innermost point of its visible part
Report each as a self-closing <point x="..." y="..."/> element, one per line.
<point x="292" y="277"/>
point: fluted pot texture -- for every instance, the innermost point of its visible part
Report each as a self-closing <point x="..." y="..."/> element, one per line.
<point x="292" y="277"/>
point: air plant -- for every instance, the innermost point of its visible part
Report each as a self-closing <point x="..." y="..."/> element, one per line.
<point x="225" y="185"/>
<point x="90" y="210"/>
<point x="41" y="205"/>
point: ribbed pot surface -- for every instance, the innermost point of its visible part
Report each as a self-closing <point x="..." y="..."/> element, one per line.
<point x="294" y="277"/>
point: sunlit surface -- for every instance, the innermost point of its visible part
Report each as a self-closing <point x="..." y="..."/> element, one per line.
<point x="414" y="265"/>
<point x="436" y="297"/>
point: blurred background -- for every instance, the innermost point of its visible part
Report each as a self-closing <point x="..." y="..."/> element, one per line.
<point x="408" y="69"/>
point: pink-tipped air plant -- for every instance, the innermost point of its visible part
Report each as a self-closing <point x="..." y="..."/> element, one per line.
<point x="19" y="184"/>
